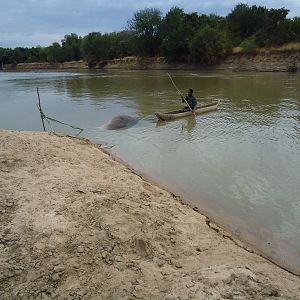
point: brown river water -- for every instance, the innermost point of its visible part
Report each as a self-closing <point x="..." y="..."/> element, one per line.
<point x="240" y="164"/>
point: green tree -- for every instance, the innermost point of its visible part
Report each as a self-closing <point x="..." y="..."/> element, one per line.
<point x="175" y="35"/>
<point x="41" y="54"/>
<point x="145" y="27"/>
<point x="95" y="47"/>
<point x="32" y="55"/>
<point x="245" y="20"/>
<point x="118" y="44"/>
<point x="221" y="25"/>
<point x="178" y="29"/>
<point x="208" y="45"/>
<point x="55" y="53"/>
<point x="5" y="56"/>
<point x="122" y="43"/>
<point x="276" y="30"/>
<point x="19" y="55"/>
<point x="295" y="29"/>
<point x="213" y="21"/>
<point x="71" y="44"/>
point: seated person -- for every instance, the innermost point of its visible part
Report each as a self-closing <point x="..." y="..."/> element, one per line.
<point x="191" y="100"/>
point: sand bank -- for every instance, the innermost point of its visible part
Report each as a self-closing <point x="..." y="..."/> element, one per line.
<point x="76" y="224"/>
<point x="276" y="61"/>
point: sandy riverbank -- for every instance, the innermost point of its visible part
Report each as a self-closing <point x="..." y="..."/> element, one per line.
<point x="76" y="224"/>
<point x="276" y="61"/>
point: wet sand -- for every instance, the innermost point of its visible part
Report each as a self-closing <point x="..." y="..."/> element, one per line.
<point x="77" y="224"/>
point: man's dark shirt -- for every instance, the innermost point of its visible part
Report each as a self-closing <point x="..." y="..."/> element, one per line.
<point x="191" y="100"/>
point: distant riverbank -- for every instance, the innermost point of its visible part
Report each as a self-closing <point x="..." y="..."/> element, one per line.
<point x="259" y="62"/>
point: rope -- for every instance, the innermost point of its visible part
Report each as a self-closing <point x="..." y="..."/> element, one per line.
<point x="48" y="119"/>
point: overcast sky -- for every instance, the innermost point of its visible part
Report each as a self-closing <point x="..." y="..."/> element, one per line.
<point x="28" y="23"/>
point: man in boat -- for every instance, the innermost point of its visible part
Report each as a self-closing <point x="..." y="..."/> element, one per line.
<point x="190" y="100"/>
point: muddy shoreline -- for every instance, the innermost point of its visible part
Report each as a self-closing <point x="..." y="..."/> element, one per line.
<point x="242" y="240"/>
<point x="77" y="224"/>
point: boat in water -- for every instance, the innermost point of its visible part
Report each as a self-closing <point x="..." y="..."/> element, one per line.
<point x="176" y="114"/>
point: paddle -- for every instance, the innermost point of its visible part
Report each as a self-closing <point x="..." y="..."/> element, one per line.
<point x="179" y="93"/>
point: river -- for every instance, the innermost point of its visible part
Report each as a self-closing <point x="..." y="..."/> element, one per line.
<point x="240" y="164"/>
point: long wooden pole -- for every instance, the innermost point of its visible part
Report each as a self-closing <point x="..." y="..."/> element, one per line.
<point x="37" y="90"/>
<point x="178" y="91"/>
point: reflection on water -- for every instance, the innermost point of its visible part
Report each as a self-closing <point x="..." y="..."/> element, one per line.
<point x="239" y="164"/>
<point x="188" y="124"/>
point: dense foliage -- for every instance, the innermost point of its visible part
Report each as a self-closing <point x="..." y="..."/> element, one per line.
<point x="207" y="45"/>
<point x="145" y="29"/>
<point x="178" y="36"/>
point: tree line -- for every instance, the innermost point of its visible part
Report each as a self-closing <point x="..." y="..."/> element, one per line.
<point x="178" y="36"/>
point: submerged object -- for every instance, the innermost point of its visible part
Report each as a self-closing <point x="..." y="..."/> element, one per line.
<point x="121" y="122"/>
<point x="176" y="114"/>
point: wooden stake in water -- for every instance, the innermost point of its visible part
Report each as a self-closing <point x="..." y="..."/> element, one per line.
<point x="40" y="108"/>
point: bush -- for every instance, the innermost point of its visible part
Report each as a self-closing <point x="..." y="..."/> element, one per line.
<point x="249" y="45"/>
<point x="208" y="45"/>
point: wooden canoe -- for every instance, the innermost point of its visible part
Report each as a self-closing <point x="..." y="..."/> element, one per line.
<point x="176" y="114"/>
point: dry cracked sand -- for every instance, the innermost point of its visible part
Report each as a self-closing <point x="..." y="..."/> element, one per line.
<point x="77" y="224"/>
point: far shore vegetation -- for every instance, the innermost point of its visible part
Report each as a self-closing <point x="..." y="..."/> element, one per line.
<point x="178" y="36"/>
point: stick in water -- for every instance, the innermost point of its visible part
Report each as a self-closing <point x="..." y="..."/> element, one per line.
<point x="37" y="90"/>
<point x="178" y="91"/>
